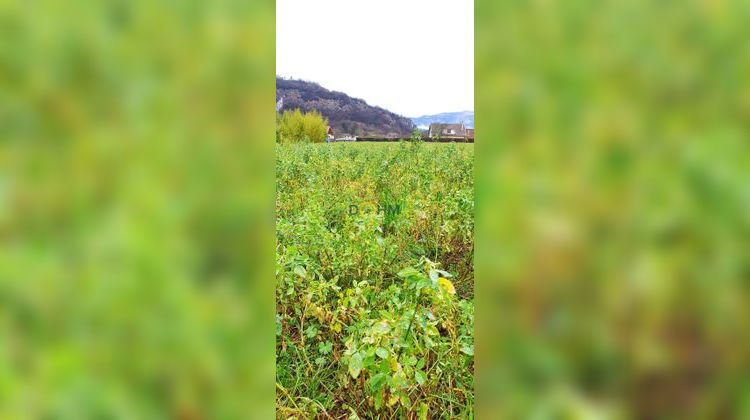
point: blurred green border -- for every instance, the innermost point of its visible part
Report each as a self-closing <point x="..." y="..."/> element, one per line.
<point x="136" y="209"/>
<point x="612" y="212"/>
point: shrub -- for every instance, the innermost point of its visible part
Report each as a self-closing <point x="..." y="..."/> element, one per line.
<point x="416" y="136"/>
<point x="296" y="126"/>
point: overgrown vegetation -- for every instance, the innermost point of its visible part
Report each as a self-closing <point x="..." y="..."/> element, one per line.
<point x="374" y="280"/>
<point x="296" y="126"/>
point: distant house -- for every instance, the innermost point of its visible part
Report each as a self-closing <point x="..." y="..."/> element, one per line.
<point x="447" y="131"/>
<point x="470" y="133"/>
<point x="346" y="138"/>
<point x="330" y="138"/>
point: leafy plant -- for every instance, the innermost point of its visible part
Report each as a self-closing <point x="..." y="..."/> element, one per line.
<point x="375" y="305"/>
<point x="395" y="351"/>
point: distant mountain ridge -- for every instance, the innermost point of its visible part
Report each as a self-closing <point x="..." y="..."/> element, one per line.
<point x="346" y="115"/>
<point x="466" y="117"/>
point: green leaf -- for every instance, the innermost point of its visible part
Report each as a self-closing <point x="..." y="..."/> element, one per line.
<point x="420" y="377"/>
<point x="300" y="271"/>
<point x="405" y="400"/>
<point x="422" y="412"/>
<point x="398" y="380"/>
<point x="467" y="349"/>
<point x="311" y="331"/>
<point x="410" y="360"/>
<point x="381" y="352"/>
<point x="325" y="348"/>
<point x="355" y="365"/>
<point x="408" y="272"/>
<point x="377" y="381"/>
<point x="381" y="327"/>
<point x="378" y="400"/>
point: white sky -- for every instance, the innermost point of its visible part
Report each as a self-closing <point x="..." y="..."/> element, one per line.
<point x="391" y="53"/>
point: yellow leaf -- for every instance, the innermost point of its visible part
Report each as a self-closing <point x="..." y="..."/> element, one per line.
<point x="446" y="285"/>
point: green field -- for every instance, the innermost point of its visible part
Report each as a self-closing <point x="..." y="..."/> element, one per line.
<point x="374" y="272"/>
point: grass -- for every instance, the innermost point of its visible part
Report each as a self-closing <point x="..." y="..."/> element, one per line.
<point x="374" y="280"/>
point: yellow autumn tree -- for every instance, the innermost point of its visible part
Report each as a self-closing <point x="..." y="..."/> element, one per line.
<point x="296" y="126"/>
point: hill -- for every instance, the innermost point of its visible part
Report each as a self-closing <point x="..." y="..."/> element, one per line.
<point x="466" y="117"/>
<point x="345" y="114"/>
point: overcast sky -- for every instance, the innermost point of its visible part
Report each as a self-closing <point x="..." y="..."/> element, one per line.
<point x="412" y="57"/>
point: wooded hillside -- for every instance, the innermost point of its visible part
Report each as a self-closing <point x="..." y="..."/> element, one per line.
<point x="345" y="114"/>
